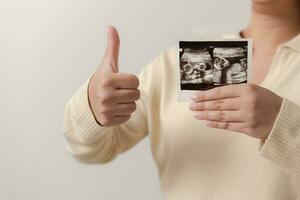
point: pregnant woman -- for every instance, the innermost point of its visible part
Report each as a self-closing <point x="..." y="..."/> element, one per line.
<point x="239" y="142"/>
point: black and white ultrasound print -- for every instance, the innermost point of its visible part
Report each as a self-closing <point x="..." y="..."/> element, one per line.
<point x="208" y="64"/>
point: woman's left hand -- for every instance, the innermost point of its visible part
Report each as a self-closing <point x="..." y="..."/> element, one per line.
<point x="245" y="108"/>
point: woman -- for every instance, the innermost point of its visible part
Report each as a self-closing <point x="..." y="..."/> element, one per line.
<point x="249" y="144"/>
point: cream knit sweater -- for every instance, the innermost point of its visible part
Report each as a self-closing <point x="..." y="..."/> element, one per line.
<point x="196" y="162"/>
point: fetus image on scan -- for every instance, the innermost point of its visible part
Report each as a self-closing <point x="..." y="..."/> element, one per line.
<point x="196" y="67"/>
<point x="205" y="65"/>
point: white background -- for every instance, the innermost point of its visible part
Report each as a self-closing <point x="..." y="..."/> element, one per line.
<point x="47" y="49"/>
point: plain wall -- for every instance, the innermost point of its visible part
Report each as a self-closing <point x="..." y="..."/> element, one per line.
<point x="47" y="49"/>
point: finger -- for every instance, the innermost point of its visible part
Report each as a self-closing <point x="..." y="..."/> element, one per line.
<point x="232" y="126"/>
<point x="124" y="109"/>
<point x="111" y="57"/>
<point x="121" y="119"/>
<point x="126" y="96"/>
<point x="222" y="104"/>
<point x="229" y="91"/>
<point x="125" y="81"/>
<point x="223" y="116"/>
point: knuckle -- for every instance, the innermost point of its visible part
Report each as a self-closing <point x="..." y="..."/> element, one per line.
<point x="218" y="104"/>
<point x="104" y="109"/>
<point x="105" y="98"/>
<point x="106" y="81"/>
<point x="134" y="81"/>
<point x="221" y="115"/>
<point x="200" y="106"/>
<point x="127" y="117"/>
<point x="202" y="96"/>
<point x="219" y="92"/>
<point x="205" y="115"/>
<point x="133" y="107"/>
<point x="223" y="125"/>
<point x="227" y="125"/>
<point x="214" y="124"/>
<point x="129" y="108"/>
<point x="250" y="87"/>
<point x="122" y="119"/>
<point x="105" y="120"/>
<point x="133" y="95"/>
<point x="137" y="95"/>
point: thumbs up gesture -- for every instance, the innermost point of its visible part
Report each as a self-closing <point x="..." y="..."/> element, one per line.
<point x="112" y="94"/>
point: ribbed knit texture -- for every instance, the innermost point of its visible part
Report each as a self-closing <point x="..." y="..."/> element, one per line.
<point x="283" y="144"/>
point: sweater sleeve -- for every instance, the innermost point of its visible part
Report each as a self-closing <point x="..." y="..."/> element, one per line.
<point x="283" y="143"/>
<point x="91" y="143"/>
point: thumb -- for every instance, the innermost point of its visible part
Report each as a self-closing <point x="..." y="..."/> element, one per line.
<point x="111" y="58"/>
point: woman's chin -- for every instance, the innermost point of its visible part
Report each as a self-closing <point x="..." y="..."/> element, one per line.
<point x="264" y="1"/>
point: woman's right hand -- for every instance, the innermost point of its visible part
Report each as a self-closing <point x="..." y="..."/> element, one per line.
<point x="112" y="94"/>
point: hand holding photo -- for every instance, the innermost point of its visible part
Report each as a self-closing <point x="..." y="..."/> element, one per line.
<point x="205" y="65"/>
<point x="240" y="107"/>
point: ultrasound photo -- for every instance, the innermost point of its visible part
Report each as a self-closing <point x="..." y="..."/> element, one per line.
<point x="209" y="64"/>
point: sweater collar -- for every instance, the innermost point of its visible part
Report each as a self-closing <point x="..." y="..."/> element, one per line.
<point x="293" y="43"/>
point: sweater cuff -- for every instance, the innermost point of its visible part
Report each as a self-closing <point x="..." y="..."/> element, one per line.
<point x="87" y="126"/>
<point x="283" y="143"/>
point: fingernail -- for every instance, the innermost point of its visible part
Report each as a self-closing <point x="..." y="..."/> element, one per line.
<point x="199" y="115"/>
<point x="207" y="123"/>
<point x="192" y="105"/>
<point x="194" y="97"/>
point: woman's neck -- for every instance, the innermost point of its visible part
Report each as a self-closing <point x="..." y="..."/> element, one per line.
<point x="273" y="22"/>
